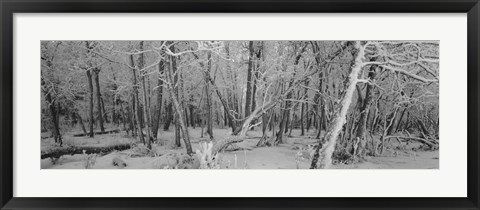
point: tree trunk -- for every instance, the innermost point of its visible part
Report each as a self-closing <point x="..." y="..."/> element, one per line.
<point x="90" y="85"/>
<point x="388" y="119"/>
<point x="187" y="118"/>
<point x="308" y="118"/>
<point x="422" y="127"/>
<point x="192" y="115"/>
<point x="177" y="134"/>
<point x="158" y="111"/>
<point x="231" y="117"/>
<point x="175" y="95"/>
<point x="284" y="120"/>
<point x="273" y="123"/>
<point x="248" y="97"/>
<point x="115" y="120"/>
<point x="232" y="104"/>
<point x="137" y="100"/>
<point x="287" y="115"/>
<point x="146" y="112"/>
<point x="169" y="116"/>
<point x="202" y="124"/>
<point x="105" y="116"/>
<point x="114" y="100"/>
<point x="208" y="96"/>
<point x="373" y="127"/>
<point x="96" y="72"/>
<point x="394" y="126"/>
<point x="131" y="114"/>
<point x="266" y="120"/>
<point x="225" y="118"/>
<point x="364" y="111"/>
<point x="400" y="120"/>
<point x="281" y="127"/>
<point x="256" y="75"/>
<point x="124" y="118"/>
<point x="81" y="123"/>
<point x="292" y="123"/>
<point x="319" y="117"/>
<point x="302" y="113"/>
<point x="178" y="109"/>
<point x="318" y="106"/>
<point x="340" y="117"/>
<point x="53" y="112"/>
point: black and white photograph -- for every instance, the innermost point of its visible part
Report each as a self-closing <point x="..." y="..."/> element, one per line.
<point x="240" y="104"/>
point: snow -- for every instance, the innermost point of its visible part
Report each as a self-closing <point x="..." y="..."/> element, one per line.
<point x="290" y="155"/>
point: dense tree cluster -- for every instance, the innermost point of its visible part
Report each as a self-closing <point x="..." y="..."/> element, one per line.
<point x="346" y="91"/>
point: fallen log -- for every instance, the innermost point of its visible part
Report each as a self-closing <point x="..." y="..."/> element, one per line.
<point x="431" y="144"/>
<point x="222" y="144"/>
<point x="72" y="150"/>
<point x="97" y="133"/>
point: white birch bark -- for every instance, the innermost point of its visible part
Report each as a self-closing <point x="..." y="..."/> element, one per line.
<point x="340" y="118"/>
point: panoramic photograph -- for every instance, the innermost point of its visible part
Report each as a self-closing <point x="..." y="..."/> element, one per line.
<point x="239" y="104"/>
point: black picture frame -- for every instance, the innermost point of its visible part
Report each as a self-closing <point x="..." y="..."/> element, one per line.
<point x="9" y="7"/>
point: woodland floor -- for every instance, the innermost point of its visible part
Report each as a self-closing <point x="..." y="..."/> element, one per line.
<point x="283" y="156"/>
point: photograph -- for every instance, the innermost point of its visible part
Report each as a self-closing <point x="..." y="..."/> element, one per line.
<point x="239" y="104"/>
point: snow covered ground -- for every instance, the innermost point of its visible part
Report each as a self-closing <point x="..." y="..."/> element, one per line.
<point x="283" y="156"/>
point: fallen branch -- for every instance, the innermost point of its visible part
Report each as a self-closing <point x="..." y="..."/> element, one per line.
<point x="224" y="143"/>
<point x="71" y="150"/>
<point x="97" y="133"/>
<point x="431" y="144"/>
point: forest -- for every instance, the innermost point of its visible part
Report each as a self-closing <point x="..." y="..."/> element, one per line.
<point x="239" y="104"/>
